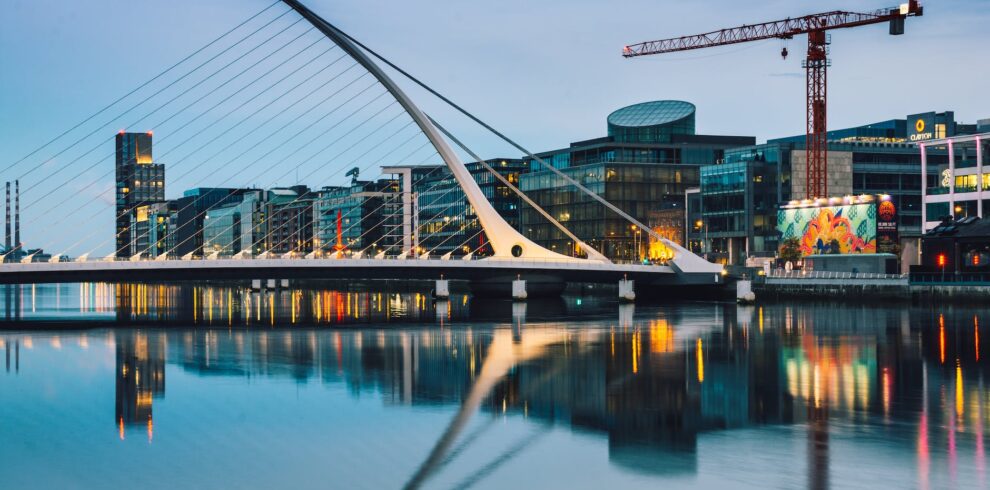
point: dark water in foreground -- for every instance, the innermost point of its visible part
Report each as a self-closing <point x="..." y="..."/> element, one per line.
<point x="211" y="387"/>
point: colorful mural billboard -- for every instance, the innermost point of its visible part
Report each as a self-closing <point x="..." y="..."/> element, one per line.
<point x="842" y="229"/>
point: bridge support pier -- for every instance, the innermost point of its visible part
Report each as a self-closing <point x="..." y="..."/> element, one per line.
<point x="627" y="292"/>
<point x="442" y="289"/>
<point x="744" y="291"/>
<point x="519" y="290"/>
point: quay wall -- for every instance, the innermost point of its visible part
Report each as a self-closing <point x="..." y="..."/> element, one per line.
<point x="869" y="290"/>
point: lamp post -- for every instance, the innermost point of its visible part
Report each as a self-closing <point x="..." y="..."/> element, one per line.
<point x="638" y="252"/>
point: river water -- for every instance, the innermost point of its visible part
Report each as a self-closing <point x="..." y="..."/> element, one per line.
<point x="224" y="387"/>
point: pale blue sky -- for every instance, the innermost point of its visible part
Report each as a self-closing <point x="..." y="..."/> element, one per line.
<point x="545" y="72"/>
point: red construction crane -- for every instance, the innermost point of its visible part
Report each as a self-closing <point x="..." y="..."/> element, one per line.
<point x="815" y="63"/>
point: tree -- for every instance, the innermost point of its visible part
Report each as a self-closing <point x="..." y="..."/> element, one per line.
<point x="790" y="250"/>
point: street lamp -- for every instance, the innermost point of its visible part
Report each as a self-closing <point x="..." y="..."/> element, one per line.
<point x="638" y="253"/>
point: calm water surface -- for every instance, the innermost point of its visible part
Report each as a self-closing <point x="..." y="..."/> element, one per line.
<point x="224" y="387"/>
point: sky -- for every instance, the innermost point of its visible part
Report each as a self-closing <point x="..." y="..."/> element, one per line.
<point x="544" y="72"/>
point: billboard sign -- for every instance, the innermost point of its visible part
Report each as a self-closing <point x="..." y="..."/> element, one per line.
<point x="887" y="237"/>
<point x="837" y="229"/>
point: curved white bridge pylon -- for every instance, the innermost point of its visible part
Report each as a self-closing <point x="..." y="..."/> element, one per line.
<point x="506" y="241"/>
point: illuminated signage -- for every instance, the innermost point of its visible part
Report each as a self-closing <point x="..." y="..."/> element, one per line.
<point x="922" y="127"/>
<point x="920" y="134"/>
<point x="887" y="232"/>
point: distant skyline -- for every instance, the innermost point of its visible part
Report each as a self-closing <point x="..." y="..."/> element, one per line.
<point x="545" y="73"/>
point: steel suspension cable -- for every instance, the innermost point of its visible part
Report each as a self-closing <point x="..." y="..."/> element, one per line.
<point x="201" y="114"/>
<point x="297" y="133"/>
<point x="139" y="87"/>
<point x="417" y="133"/>
<point x="215" y="122"/>
<point x="304" y="194"/>
<point x="338" y="139"/>
<point x="386" y="203"/>
<point x="162" y="106"/>
<point x="503" y="137"/>
<point x="154" y="95"/>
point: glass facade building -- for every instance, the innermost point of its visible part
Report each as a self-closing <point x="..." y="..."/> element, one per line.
<point x="738" y="202"/>
<point x="139" y="183"/>
<point x="447" y="223"/>
<point x="651" y="122"/>
<point x="237" y="227"/>
<point x="369" y="215"/>
<point x="740" y="196"/>
<point x="191" y="211"/>
<point x="645" y="165"/>
<point x="289" y="220"/>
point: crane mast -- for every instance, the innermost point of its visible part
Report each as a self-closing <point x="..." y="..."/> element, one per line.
<point x="815" y="64"/>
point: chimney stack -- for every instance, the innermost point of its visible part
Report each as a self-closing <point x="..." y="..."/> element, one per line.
<point x="6" y="236"/>
<point x="17" y="215"/>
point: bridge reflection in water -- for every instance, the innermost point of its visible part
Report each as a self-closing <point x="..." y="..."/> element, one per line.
<point x="655" y="385"/>
<point x="236" y="304"/>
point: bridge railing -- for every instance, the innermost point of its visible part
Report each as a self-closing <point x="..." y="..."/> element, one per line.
<point x="780" y="274"/>
<point x="570" y="263"/>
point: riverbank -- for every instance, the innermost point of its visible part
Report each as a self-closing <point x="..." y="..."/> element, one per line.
<point x="867" y="289"/>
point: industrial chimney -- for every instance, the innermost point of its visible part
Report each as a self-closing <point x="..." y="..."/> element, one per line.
<point x="17" y="216"/>
<point x="6" y="235"/>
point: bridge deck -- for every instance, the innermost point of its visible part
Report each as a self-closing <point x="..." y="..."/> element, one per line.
<point x="357" y="269"/>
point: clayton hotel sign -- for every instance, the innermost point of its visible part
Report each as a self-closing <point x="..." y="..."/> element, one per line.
<point x="928" y="126"/>
<point x="922" y="130"/>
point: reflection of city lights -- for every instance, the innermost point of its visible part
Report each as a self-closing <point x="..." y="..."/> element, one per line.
<point x="886" y="392"/>
<point x="960" y="399"/>
<point x="941" y="338"/>
<point x="976" y="336"/>
<point x="635" y="352"/>
<point x="661" y="337"/>
<point x="701" y="362"/>
<point x="120" y="427"/>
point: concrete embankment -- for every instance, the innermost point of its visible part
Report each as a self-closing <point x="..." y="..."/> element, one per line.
<point x="849" y="289"/>
<point x="846" y="289"/>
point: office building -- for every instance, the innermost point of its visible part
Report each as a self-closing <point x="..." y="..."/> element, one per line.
<point x="191" y="211"/>
<point x="739" y="198"/>
<point x="649" y="158"/>
<point x="361" y="217"/>
<point x="447" y="223"/>
<point x="289" y="220"/>
<point x="236" y="227"/>
<point x="151" y="229"/>
<point x="139" y="182"/>
<point x="961" y="182"/>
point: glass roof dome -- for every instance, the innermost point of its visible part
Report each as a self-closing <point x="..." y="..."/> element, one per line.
<point x="651" y="122"/>
<point x="652" y="113"/>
